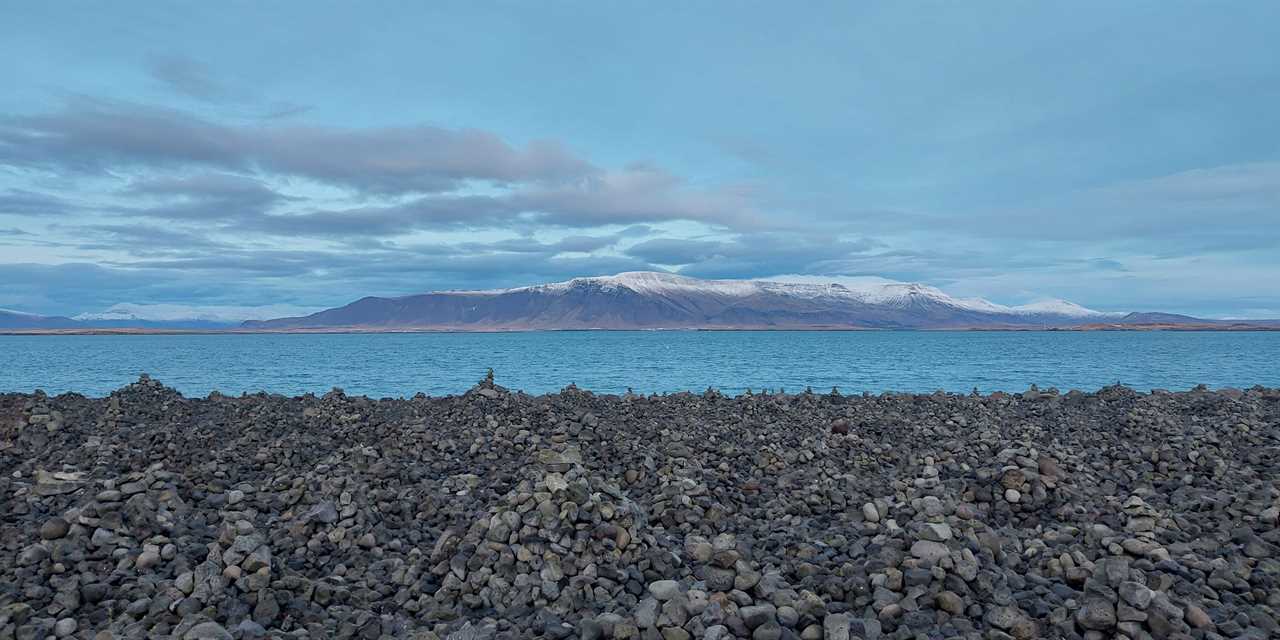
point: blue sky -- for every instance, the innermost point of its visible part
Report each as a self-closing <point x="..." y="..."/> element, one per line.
<point x="1120" y="155"/>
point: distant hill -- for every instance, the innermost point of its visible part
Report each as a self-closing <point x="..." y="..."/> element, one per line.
<point x="19" y="320"/>
<point x="652" y="300"/>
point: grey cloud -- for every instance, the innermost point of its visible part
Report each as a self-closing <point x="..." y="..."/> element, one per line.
<point x="1218" y="209"/>
<point x="92" y="135"/>
<point x="637" y="194"/>
<point x="207" y="197"/>
<point x="676" y="251"/>
<point x="391" y="220"/>
<point x="193" y="79"/>
<point x="570" y="244"/>
<point x="74" y="287"/>
<point x="583" y="244"/>
<point x="418" y="158"/>
<point x="187" y="77"/>
<point x="540" y="183"/>
<point x="755" y="255"/>
<point x="313" y="277"/>
<point x="612" y="199"/>
<point x="144" y="240"/>
<point x="205" y="184"/>
<point x="14" y="231"/>
<point x="30" y="203"/>
<point x="637" y="231"/>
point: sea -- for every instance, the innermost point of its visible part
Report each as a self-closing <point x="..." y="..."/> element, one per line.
<point x="733" y="362"/>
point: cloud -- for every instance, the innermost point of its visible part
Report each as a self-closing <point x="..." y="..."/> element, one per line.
<point x="94" y="135"/>
<point x="608" y="199"/>
<point x="1199" y="211"/>
<point x="20" y="202"/>
<point x="14" y="231"/>
<point x="637" y="194"/>
<point x="187" y="77"/>
<point x="754" y="255"/>
<point x="144" y="240"/>
<point x="204" y="197"/>
<point x="568" y="244"/>
<point x="676" y="251"/>
<point x="410" y="177"/>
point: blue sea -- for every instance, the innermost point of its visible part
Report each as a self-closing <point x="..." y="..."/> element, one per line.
<point x="400" y="365"/>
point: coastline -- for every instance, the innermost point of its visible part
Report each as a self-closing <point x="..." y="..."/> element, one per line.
<point x="401" y="330"/>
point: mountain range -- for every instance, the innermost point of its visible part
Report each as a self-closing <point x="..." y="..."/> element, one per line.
<point x="641" y="300"/>
<point x="655" y="300"/>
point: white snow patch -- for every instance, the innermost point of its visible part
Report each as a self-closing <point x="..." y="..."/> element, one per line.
<point x="866" y="290"/>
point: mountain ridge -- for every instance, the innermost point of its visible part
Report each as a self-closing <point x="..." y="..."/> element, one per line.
<point x="639" y="300"/>
<point x="658" y="300"/>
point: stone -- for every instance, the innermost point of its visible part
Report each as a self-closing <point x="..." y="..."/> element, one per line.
<point x="935" y="532"/>
<point x="756" y="615"/>
<point x="1197" y="618"/>
<point x="267" y="609"/>
<point x="65" y="627"/>
<point x="54" y="528"/>
<point x="647" y="612"/>
<point x="870" y="513"/>
<point x="1137" y="595"/>
<point x="260" y="558"/>
<point x="185" y="582"/>
<point x="930" y="551"/>
<point x="950" y="602"/>
<point x="770" y="630"/>
<point x="698" y="549"/>
<point x="835" y="626"/>
<point x="207" y="631"/>
<point x="147" y="560"/>
<point x="590" y="630"/>
<point x="1096" y="614"/>
<point x="32" y="555"/>
<point x="719" y="579"/>
<point x="325" y="512"/>
<point x="1003" y="617"/>
<point x="664" y="590"/>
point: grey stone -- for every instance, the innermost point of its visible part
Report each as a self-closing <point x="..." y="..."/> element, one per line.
<point x="664" y="590"/>
<point x="207" y="631"/>
<point x="835" y="627"/>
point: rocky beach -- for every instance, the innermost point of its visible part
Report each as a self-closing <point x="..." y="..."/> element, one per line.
<point x="772" y="516"/>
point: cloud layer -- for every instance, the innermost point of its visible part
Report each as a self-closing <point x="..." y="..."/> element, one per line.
<point x="1118" y="159"/>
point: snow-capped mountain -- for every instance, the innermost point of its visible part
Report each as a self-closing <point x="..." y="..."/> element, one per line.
<point x="638" y="300"/>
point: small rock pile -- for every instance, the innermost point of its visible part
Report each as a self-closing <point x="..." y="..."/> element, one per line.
<point x="561" y="546"/>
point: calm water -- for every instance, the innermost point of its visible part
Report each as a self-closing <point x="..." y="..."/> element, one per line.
<point x="403" y="364"/>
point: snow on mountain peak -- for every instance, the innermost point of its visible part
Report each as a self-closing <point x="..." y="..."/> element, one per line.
<point x="871" y="291"/>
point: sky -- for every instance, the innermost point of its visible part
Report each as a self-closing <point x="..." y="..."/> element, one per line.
<point x="1124" y="156"/>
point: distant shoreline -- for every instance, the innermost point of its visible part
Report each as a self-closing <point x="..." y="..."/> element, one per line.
<point x="1236" y="327"/>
